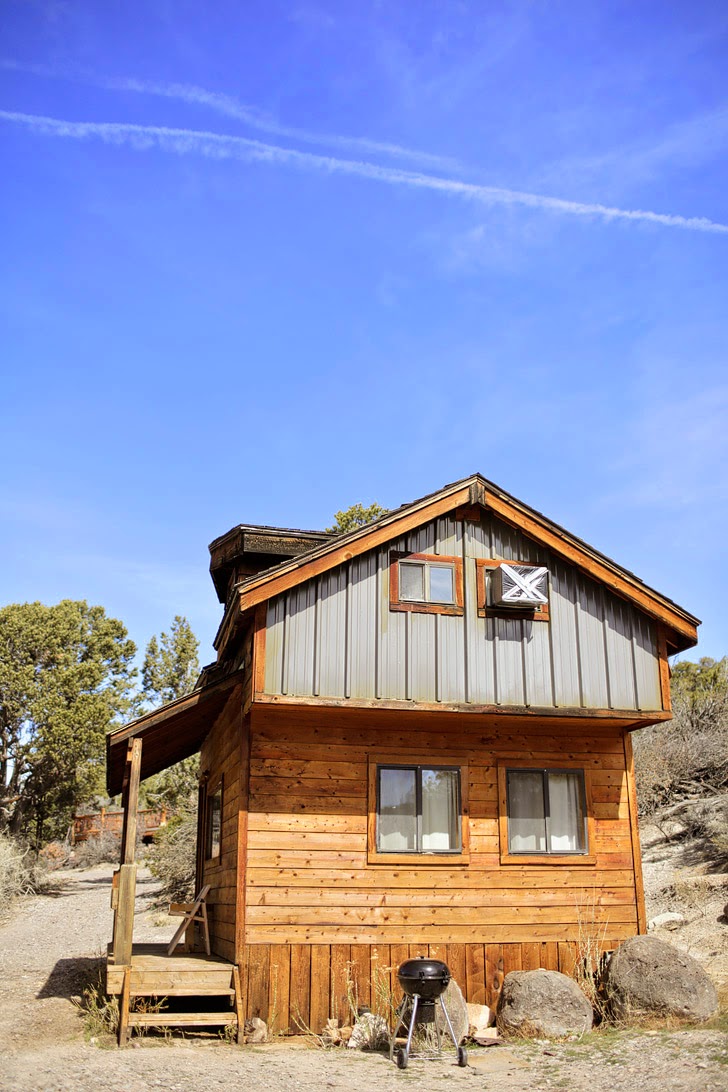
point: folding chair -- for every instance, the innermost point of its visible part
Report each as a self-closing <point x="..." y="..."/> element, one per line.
<point x="191" y="912"/>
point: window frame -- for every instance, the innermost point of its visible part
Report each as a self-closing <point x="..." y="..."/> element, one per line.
<point x="423" y="606"/>
<point x="210" y="795"/>
<point x="485" y="565"/>
<point x="417" y="858"/>
<point x="545" y="859"/>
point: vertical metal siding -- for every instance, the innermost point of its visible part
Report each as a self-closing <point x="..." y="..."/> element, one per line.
<point x="335" y="636"/>
<point x="331" y="632"/>
<point x="364" y="627"/>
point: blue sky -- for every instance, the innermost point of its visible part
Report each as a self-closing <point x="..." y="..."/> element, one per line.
<point x="261" y="261"/>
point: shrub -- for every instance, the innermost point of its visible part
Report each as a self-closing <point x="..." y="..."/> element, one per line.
<point x="99" y="849"/>
<point x="172" y="858"/>
<point x="687" y="756"/>
<point x="21" y="873"/>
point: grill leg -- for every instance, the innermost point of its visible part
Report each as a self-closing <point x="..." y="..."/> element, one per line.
<point x="456" y="1044"/>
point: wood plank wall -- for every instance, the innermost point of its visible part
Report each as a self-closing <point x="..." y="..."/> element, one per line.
<point x="315" y="906"/>
<point x="221" y="755"/>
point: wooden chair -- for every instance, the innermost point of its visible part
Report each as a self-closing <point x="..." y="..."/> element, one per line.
<point x="191" y="912"/>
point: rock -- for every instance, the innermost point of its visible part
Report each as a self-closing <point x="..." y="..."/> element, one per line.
<point x="480" y="1018"/>
<point x="649" y="976"/>
<point x="457" y="1010"/>
<point x="542" y="1004"/>
<point x="370" y="1032"/>
<point x="256" y="1030"/>
<point x="487" y="1036"/>
<point x="667" y="920"/>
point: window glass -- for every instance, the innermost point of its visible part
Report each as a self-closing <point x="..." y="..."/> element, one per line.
<point x="411" y="581"/>
<point x="566" y="812"/>
<point x="214" y="817"/>
<point x="441" y="584"/>
<point x="418" y="810"/>
<point x="526" y="812"/>
<point x="440" y="818"/>
<point x="546" y="811"/>
<point x="397" y="818"/>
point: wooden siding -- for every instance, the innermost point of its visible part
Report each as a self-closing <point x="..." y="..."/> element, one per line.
<point x="297" y="987"/>
<point x="315" y="906"/>
<point x="335" y="636"/>
<point x="221" y="757"/>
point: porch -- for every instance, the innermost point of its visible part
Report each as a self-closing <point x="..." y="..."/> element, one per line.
<point x="152" y="973"/>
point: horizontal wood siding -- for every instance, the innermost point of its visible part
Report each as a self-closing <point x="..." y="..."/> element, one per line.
<point x="220" y="756"/>
<point x="316" y="907"/>
<point x="335" y="635"/>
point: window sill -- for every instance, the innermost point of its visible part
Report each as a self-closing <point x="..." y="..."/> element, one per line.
<point x="548" y="859"/>
<point x="418" y="860"/>
<point x="428" y="608"/>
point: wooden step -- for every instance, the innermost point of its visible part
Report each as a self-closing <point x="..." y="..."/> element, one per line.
<point x="154" y="990"/>
<point x="177" y="1019"/>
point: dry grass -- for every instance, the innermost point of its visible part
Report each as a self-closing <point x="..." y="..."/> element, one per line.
<point x="21" y="872"/>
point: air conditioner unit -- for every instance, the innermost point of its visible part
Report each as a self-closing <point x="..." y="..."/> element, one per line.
<point x="523" y="587"/>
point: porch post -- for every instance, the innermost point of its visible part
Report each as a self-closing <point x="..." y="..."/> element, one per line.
<point x="123" y="895"/>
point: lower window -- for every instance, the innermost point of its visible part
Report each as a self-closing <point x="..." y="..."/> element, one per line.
<point x="419" y="809"/>
<point x="546" y="811"/>
<point x="213" y="826"/>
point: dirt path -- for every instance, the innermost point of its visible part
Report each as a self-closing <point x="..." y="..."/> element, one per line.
<point x="54" y="943"/>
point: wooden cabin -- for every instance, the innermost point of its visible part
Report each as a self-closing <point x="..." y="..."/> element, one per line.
<point x="416" y="739"/>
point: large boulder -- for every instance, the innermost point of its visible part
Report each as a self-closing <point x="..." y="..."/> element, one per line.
<point x="647" y="976"/>
<point x="542" y="1004"/>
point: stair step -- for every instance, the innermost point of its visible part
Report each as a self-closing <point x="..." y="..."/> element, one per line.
<point x="176" y="1019"/>
<point x="181" y="991"/>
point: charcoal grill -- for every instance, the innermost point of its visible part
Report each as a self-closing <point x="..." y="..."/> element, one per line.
<point x="424" y="982"/>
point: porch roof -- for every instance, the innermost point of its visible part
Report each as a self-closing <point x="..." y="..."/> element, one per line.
<point x="170" y="733"/>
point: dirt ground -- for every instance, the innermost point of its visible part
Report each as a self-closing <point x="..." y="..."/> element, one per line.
<point x="53" y="946"/>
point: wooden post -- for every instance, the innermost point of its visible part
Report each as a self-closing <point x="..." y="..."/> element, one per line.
<point x="130" y="800"/>
<point x="124" y="1002"/>
<point x="124" y="915"/>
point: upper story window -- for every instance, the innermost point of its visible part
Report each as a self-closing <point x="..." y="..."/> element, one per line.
<point x="426" y="583"/>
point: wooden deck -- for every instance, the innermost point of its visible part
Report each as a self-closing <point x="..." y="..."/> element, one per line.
<point x="153" y="973"/>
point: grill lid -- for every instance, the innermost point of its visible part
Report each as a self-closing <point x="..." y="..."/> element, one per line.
<point x="427" y="977"/>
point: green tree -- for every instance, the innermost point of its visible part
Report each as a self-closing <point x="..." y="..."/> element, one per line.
<point x="170" y="670"/>
<point x="65" y="679"/>
<point x="356" y="516"/>
<point x="171" y="665"/>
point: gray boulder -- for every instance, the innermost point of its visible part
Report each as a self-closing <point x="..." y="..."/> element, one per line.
<point x="647" y="976"/>
<point x="457" y="1010"/>
<point x="542" y="1004"/>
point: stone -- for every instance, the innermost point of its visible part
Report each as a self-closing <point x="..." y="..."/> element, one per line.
<point x="647" y="976"/>
<point x="542" y="1004"/>
<point x="256" y="1030"/>
<point x="486" y="1036"/>
<point x="668" y="920"/>
<point x="370" y="1032"/>
<point x="457" y="1010"/>
<point x="480" y="1018"/>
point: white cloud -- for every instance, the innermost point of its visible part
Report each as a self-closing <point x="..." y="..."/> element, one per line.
<point x="222" y="146"/>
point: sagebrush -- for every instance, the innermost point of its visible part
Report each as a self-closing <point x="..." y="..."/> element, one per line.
<point x="21" y="871"/>
<point x="172" y="858"/>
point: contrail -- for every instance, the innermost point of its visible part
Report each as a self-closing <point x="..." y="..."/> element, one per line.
<point x="231" y="107"/>
<point x="222" y="146"/>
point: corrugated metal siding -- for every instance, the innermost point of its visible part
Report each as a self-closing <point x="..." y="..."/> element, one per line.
<point x="335" y="636"/>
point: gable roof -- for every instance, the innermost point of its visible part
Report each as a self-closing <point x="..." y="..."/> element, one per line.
<point x="473" y="490"/>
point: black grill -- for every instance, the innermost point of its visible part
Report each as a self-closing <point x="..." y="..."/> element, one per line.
<point x="424" y="981"/>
